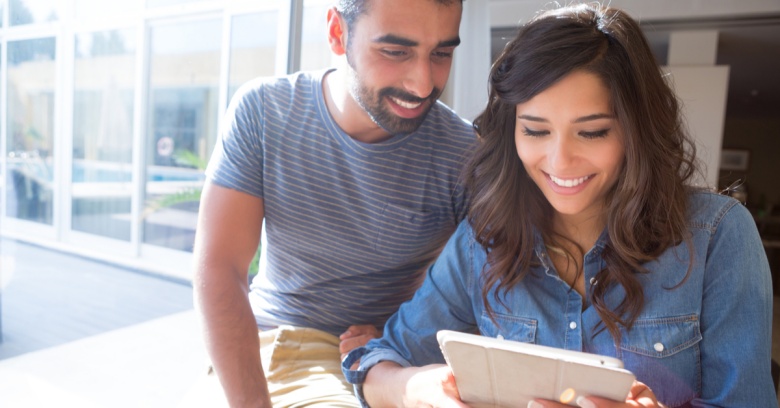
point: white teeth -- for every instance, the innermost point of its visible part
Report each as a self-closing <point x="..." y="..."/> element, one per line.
<point x="569" y="182"/>
<point x="405" y="104"/>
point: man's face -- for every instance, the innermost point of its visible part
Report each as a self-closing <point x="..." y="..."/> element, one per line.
<point x="399" y="55"/>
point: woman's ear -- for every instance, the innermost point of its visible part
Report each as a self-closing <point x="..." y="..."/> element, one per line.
<point x="337" y="32"/>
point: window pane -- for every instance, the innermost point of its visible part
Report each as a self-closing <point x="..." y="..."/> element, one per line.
<point x="30" y="129"/>
<point x="3" y="184"/>
<point x="104" y="76"/>
<point x="32" y="11"/>
<point x="315" y="51"/>
<point x="163" y="3"/>
<point x="183" y="98"/>
<point x="252" y="47"/>
<point x="90" y="10"/>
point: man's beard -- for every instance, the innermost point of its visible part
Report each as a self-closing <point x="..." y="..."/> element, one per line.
<point x="375" y="105"/>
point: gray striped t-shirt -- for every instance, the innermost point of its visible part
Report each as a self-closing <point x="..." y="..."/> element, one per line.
<point x="349" y="227"/>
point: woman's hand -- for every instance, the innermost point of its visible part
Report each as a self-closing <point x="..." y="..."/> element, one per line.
<point x="433" y="386"/>
<point x="388" y="384"/>
<point x="640" y="395"/>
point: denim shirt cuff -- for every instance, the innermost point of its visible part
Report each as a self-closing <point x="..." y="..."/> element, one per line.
<point x="372" y="357"/>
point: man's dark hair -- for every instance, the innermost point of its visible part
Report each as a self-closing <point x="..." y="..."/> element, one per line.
<point x="352" y="9"/>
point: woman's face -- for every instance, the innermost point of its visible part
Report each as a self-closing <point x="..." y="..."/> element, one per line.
<point x="571" y="144"/>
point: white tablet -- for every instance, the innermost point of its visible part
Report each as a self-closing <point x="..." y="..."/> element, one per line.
<point x="501" y="373"/>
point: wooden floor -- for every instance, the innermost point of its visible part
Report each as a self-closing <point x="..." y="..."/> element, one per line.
<point x="49" y="298"/>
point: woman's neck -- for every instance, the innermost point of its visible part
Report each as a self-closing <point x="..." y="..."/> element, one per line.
<point x="567" y="257"/>
<point x="583" y="230"/>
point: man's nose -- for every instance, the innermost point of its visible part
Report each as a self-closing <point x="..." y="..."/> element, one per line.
<point x="419" y="78"/>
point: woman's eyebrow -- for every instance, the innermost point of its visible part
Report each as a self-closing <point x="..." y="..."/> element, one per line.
<point x="587" y="118"/>
<point x="532" y="118"/>
<point x="595" y="116"/>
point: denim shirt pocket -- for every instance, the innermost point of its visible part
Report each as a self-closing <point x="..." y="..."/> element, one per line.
<point x="664" y="354"/>
<point x="508" y="327"/>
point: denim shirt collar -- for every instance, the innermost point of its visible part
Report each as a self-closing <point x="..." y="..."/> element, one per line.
<point x="598" y="247"/>
<point x="542" y="254"/>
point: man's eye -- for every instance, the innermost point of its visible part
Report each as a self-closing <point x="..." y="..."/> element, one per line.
<point x="442" y="54"/>
<point x="394" y="53"/>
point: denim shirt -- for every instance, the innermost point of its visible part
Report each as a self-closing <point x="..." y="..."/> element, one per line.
<point x="700" y="341"/>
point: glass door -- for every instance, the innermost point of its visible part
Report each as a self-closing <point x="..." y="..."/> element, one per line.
<point x="104" y="88"/>
<point x="30" y="130"/>
<point x="182" y="117"/>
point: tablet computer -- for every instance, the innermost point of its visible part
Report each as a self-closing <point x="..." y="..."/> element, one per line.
<point x="502" y="373"/>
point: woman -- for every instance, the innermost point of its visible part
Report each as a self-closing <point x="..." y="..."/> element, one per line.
<point x="584" y="234"/>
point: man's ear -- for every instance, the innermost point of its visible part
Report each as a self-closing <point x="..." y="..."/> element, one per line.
<point x="337" y="32"/>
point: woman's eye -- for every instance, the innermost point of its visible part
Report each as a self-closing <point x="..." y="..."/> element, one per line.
<point x="534" y="133"/>
<point x="594" y="135"/>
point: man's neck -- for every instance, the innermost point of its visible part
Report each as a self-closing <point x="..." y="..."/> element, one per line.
<point x="347" y="113"/>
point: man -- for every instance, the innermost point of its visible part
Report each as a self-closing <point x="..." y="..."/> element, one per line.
<point x="353" y="173"/>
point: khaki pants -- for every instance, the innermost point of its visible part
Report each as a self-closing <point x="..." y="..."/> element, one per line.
<point x="302" y="367"/>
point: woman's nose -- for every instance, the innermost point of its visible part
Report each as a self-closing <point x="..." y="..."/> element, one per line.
<point x="562" y="152"/>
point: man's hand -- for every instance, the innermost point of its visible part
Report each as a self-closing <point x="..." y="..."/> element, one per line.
<point x="356" y="336"/>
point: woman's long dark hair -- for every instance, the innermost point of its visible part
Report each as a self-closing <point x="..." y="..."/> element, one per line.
<point x="645" y="210"/>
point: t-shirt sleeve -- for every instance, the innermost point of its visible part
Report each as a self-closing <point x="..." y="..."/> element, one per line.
<point x="237" y="160"/>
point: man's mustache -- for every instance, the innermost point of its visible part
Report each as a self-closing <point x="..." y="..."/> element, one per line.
<point x="407" y="97"/>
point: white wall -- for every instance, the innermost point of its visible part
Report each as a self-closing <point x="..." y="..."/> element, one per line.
<point x="467" y="89"/>
<point x="702" y="91"/>
<point x="702" y="88"/>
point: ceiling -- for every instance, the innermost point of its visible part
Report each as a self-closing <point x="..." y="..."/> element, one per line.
<point x="750" y="46"/>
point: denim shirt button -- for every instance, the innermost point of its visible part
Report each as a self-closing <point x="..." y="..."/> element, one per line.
<point x="500" y="337"/>
<point x="658" y="347"/>
<point x="573" y="325"/>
